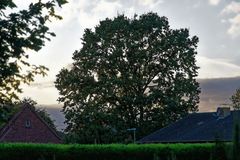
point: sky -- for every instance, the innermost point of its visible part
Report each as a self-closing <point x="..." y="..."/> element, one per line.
<point x="215" y="22"/>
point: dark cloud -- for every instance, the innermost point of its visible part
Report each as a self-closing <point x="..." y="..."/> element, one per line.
<point x="217" y="91"/>
<point x="43" y="85"/>
<point x="56" y="114"/>
<point x="214" y="92"/>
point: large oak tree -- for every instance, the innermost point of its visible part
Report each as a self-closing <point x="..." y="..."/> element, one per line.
<point x="129" y="73"/>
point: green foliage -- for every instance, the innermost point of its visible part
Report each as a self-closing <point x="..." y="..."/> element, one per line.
<point x="6" y="112"/>
<point x="236" y="145"/>
<point x="219" y="151"/>
<point x="129" y="73"/>
<point x="21" y="31"/>
<point x="236" y="99"/>
<point x="106" y="152"/>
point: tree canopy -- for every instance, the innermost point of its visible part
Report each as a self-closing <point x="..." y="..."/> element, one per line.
<point x="129" y="73"/>
<point x="22" y="31"/>
<point x="235" y="98"/>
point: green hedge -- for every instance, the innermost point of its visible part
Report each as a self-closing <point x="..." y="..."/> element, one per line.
<point x="19" y="151"/>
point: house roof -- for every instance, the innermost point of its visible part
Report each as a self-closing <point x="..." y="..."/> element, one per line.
<point x="38" y="137"/>
<point x="196" y="127"/>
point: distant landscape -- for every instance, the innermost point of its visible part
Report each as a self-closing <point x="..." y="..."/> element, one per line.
<point x="214" y="92"/>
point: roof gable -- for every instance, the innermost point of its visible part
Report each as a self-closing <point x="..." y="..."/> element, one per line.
<point x="38" y="131"/>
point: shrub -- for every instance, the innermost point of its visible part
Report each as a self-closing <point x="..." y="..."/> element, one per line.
<point x="13" y="151"/>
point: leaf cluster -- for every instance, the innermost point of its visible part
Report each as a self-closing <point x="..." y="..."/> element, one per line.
<point x="20" y="32"/>
<point x="235" y="98"/>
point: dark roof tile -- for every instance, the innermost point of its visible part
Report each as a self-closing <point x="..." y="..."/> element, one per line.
<point x="196" y="127"/>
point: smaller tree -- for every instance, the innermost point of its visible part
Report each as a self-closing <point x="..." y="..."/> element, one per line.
<point x="22" y="31"/>
<point x="236" y="99"/>
<point x="6" y="113"/>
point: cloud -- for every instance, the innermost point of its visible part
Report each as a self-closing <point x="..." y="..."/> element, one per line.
<point x="87" y="14"/>
<point x="234" y="21"/>
<point x="234" y="29"/>
<point x="149" y="2"/>
<point x="215" y="68"/>
<point x="145" y="2"/>
<point x="233" y="7"/>
<point x="104" y="6"/>
<point x="214" y="2"/>
<point x="42" y="85"/>
<point x="41" y="93"/>
<point x="217" y="91"/>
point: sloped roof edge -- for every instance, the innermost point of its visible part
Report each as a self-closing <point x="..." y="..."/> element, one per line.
<point x="5" y="128"/>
